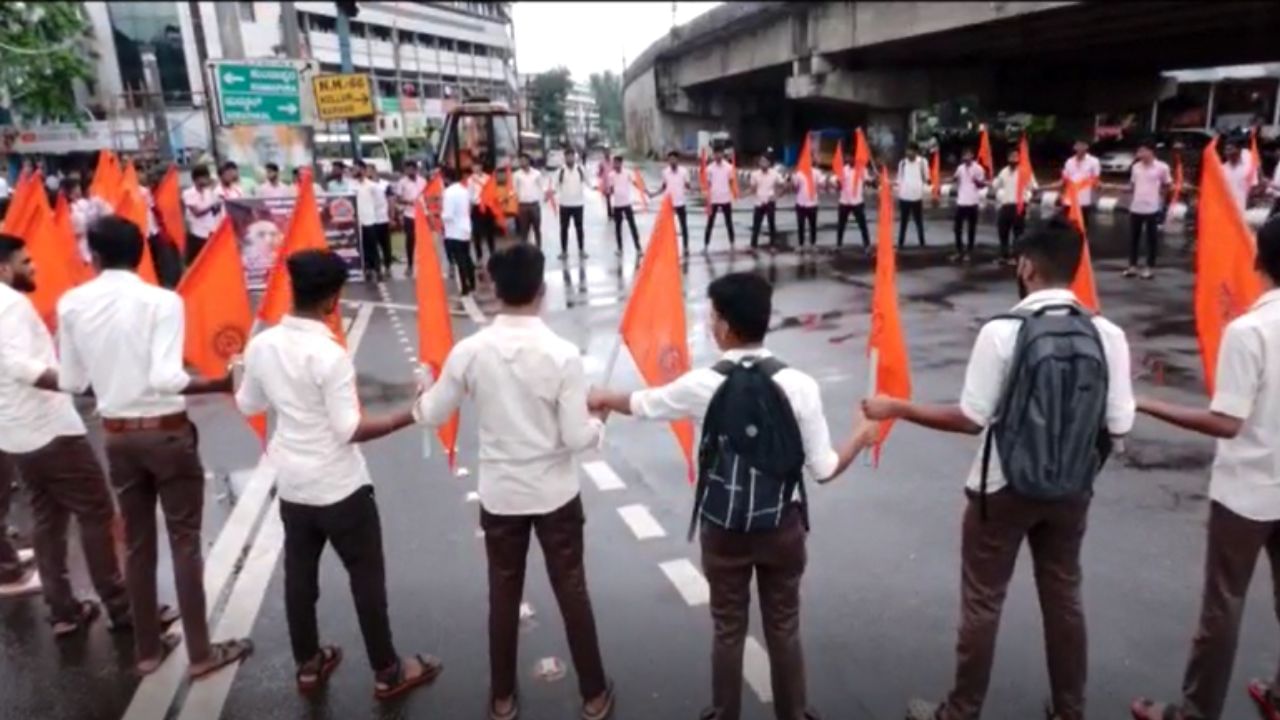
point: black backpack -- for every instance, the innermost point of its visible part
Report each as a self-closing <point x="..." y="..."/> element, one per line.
<point x="581" y="175"/>
<point x="751" y="456"/>
<point x="1050" y="426"/>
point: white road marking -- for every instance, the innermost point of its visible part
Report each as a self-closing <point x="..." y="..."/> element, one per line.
<point x="155" y="693"/>
<point x="642" y="523"/>
<point x="755" y="669"/>
<point x="688" y="581"/>
<point x="473" y="310"/>
<point x="603" y="476"/>
<point x="373" y="303"/>
<point x="358" y="328"/>
<point x="206" y="698"/>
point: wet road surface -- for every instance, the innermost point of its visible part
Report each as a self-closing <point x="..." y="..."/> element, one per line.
<point x="881" y="591"/>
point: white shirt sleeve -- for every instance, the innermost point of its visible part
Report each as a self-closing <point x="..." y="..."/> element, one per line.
<point x="167" y="375"/>
<point x="685" y="397"/>
<point x="16" y="352"/>
<point x="437" y="404"/>
<point x="1121" y="406"/>
<point x="578" y="429"/>
<point x="341" y="402"/>
<point x="251" y="398"/>
<point x="819" y="456"/>
<point x="1240" y="366"/>
<point x="984" y="378"/>
<point x="73" y="375"/>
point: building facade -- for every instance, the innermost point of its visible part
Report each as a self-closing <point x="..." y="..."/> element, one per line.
<point x="581" y="117"/>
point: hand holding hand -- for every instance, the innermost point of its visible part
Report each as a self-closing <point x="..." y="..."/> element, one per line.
<point x="880" y="407"/>
<point x="866" y="431"/>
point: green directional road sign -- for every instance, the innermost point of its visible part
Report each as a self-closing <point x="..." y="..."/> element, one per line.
<point x="254" y="94"/>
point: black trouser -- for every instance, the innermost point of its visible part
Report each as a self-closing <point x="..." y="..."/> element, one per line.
<point x="529" y="217"/>
<point x="859" y="213"/>
<point x="727" y="209"/>
<point x="966" y="215"/>
<point x="482" y="232"/>
<point x="11" y="568"/>
<point x="410" y="242"/>
<point x="807" y="215"/>
<point x="353" y="528"/>
<point x="618" y="214"/>
<point x="1275" y="209"/>
<point x="369" y="241"/>
<point x="758" y="215"/>
<point x="195" y="243"/>
<point x="167" y="261"/>
<point x="1009" y="226"/>
<point x="908" y="209"/>
<point x="459" y="252"/>
<point x="384" y="244"/>
<point x="683" y="216"/>
<point x="567" y="214"/>
<point x="1138" y="221"/>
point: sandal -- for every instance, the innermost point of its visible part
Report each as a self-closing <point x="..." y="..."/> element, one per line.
<point x="87" y="613"/>
<point x="1144" y="709"/>
<point x="167" y="616"/>
<point x="168" y="643"/>
<point x="393" y="683"/>
<point x="1267" y="700"/>
<point x="511" y="714"/>
<point x="605" y="710"/>
<point x="221" y="655"/>
<point x="316" y="671"/>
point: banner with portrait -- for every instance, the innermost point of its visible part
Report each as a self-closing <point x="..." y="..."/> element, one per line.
<point x="260" y="225"/>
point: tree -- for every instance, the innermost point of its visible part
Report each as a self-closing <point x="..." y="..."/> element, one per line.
<point x="41" y="57"/>
<point x="606" y="88"/>
<point x="548" y="92"/>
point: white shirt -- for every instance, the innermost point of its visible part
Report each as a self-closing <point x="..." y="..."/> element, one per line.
<point x="409" y="191"/>
<point x="719" y="182"/>
<point x="851" y="191"/>
<point x="381" y="202"/>
<point x="803" y="198"/>
<point x="340" y="186"/>
<point x="913" y="176"/>
<point x="968" y="176"/>
<point x="29" y="418"/>
<point x="675" y="182"/>
<point x="367" y="202"/>
<point x="989" y="366"/>
<point x="1006" y="185"/>
<point x="765" y="183"/>
<point x="528" y="186"/>
<point x="1240" y="179"/>
<point x="124" y="337"/>
<point x="455" y="212"/>
<point x="689" y="395"/>
<point x="229" y="192"/>
<point x="276" y="190"/>
<point x="530" y="394"/>
<point x="298" y="370"/>
<point x="1148" y="181"/>
<point x="571" y="186"/>
<point x="1246" y="468"/>
<point x="620" y="188"/>
<point x="5" y="192"/>
<point x="1077" y="171"/>
<point x="196" y="200"/>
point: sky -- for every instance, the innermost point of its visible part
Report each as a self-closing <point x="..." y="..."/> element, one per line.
<point x="589" y="37"/>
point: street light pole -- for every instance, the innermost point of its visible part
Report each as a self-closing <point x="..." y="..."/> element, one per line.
<point x="344" y="49"/>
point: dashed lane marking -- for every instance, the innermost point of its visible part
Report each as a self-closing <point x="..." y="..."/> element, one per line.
<point x="755" y="669"/>
<point x="603" y="476"/>
<point x="688" y="581"/>
<point x="641" y="521"/>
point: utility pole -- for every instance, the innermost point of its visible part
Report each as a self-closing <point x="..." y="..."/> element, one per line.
<point x="289" y="28"/>
<point x="155" y="101"/>
<point x="347" y="10"/>
<point x="228" y="15"/>
<point x="202" y="54"/>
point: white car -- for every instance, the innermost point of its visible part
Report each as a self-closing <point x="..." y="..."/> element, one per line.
<point x="1117" y="162"/>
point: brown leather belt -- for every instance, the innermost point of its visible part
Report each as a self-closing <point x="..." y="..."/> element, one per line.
<point x="176" y="421"/>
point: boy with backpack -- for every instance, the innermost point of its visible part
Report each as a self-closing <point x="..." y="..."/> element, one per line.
<point x="570" y="190"/>
<point x="1244" y="512"/>
<point x="763" y="431"/>
<point x="1049" y="385"/>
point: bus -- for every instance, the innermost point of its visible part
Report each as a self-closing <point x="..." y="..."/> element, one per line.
<point x="338" y="147"/>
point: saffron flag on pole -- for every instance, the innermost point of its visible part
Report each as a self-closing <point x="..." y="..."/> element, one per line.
<point x="49" y="253"/>
<point x="637" y="181"/>
<point x="837" y="163"/>
<point x="887" y="344"/>
<point x="305" y="233"/>
<point x="169" y="209"/>
<point x="65" y="233"/>
<point x="1025" y="173"/>
<point x="216" y="304"/>
<point x="861" y="159"/>
<point x="984" y="151"/>
<point x="106" y="178"/>
<point x="132" y="206"/>
<point x="935" y="174"/>
<point x="653" y="324"/>
<point x="804" y="168"/>
<point x="1226" y="283"/>
<point x="1084" y="287"/>
<point x="1177" y="180"/>
<point x="22" y="204"/>
<point x="435" y="329"/>
<point x="733" y="176"/>
<point x="489" y="200"/>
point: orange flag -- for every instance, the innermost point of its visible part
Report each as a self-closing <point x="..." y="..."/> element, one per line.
<point x="804" y="168"/>
<point x="1083" y="285"/>
<point x="106" y="177"/>
<point x="489" y="199"/>
<point x="132" y="206"/>
<point x="305" y="233"/>
<point x="169" y="209"/>
<point x="1025" y="172"/>
<point x="64" y="231"/>
<point x="49" y="254"/>
<point x="837" y="162"/>
<point x="984" y="151"/>
<point x="653" y="323"/>
<point x="1226" y="283"/>
<point x="22" y="204"/>
<point x="703" y="183"/>
<point x="637" y="181"/>
<point x="935" y="174"/>
<point x="218" y="316"/>
<point x="1177" y="180"/>
<point x="434" y="194"/>
<point x="861" y="157"/>
<point x="887" y="344"/>
<point x="435" y="329"/>
<point x="733" y="177"/>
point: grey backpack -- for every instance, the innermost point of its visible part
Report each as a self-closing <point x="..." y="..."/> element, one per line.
<point x="1050" y="426"/>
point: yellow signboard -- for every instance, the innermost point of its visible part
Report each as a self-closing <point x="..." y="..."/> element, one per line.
<point x="343" y="97"/>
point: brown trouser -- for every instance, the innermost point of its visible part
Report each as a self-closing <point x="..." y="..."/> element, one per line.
<point x="1233" y="548"/>
<point x="506" y="542"/>
<point x="989" y="551"/>
<point x="10" y="567"/>
<point x="777" y="558"/>
<point x="529" y="217"/>
<point x="163" y="465"/>
<point x="65" y="479"/>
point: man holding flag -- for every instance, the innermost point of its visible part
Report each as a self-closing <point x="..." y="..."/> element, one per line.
<point x="1002" y="510"/>
<point x="740" y="308"/>
<point x="529" y="391"/>
<point x="1011" y="198"/>
<point x="1085" y="170"/>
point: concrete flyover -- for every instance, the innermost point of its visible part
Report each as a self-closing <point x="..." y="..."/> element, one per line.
<point x="765" y="71"/>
